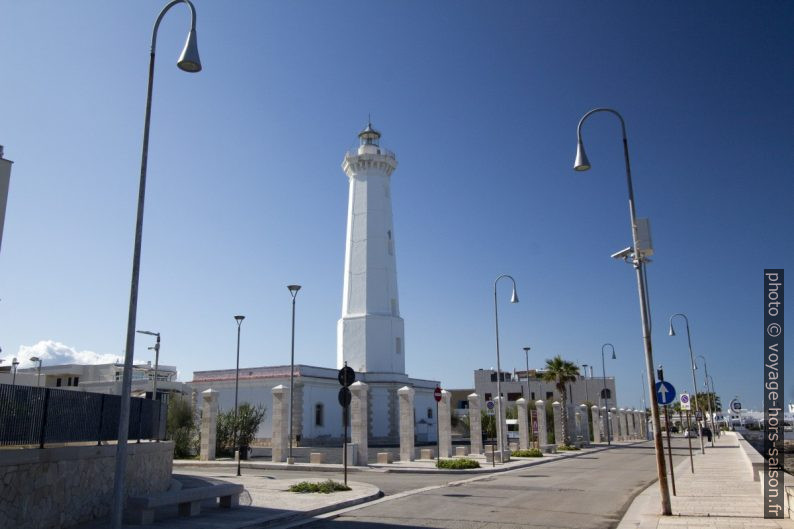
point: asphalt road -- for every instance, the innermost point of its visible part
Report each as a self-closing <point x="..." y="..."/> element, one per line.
<point x="592" y="491"/>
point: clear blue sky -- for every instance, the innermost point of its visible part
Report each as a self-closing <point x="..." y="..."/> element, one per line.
<point x="479" y="100"/>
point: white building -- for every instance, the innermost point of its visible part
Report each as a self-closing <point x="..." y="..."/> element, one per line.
<point x="370" y="333"/>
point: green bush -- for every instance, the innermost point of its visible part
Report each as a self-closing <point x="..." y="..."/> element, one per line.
<point x="457" y="464"/>
<point x="248" y="419"/>
<point x="180" y="427"/>
<point x="567" y="448"/>
<point x="532" y="452"/>
<point x="325" y="487"/>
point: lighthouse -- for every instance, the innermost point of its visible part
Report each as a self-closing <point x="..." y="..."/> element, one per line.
<point x="370" y="333"/>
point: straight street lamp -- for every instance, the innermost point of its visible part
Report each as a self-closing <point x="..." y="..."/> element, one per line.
<point x="529" y="398"/>
<point x="239" y="319"/>
<point x="714" y="392"/>
<point x="638" y="260"/>
<point x="14" y="364"/>
<point x="38" y="370"/>
<point x="513" y="299"/>
<point x="188" y="61"/>
<point x="605" y="390"/>
<point x="586" y="390"/>
<point x="692" y="367"/>
<point x="154" y="384"/>
<point x="293" y="290"/>
<point x="708" y="397"/>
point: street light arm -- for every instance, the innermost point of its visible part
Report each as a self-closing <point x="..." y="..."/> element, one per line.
<point x="162" y="14"/>
<point x="600" y="109"/>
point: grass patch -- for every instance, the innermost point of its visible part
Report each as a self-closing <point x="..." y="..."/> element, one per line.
<point x="457" y="464"/>
<point x="326" y="487"/>
<point x="567" y="448"/>
<point x="532" y="452"/>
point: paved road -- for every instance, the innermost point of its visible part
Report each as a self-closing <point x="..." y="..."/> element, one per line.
<point x="589" y="492"/>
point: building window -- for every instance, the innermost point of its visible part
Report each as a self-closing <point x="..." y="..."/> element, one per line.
<point x="493" y="377"/>
<point x="399" y="345"/>
<point x="76" y="380"/>
<point x="487" y="397"/>
<point x="69" y="381"/>
<point x="606" y="393"/>
<point x="549" y="395"/>
<point x="512" y="397"/>
<point x="429" y="413"/>
<point x="57" y="382"/>
<point x="318" y="414"/>
<point x="532" y="395"/>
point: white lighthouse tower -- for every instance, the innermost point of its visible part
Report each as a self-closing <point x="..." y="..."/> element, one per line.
<point x="370" y="334"/>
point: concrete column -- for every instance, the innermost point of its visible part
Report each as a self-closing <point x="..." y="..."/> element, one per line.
<point x="540" y="409"/>
<point x="624" y="428"/>
<point x="444" y="425"/>
<point x="406" y="396"/>
<point x="585" y="423"/>
<point x="523" y="425"/>
<point x="209" y="420"/>
<point x="605" y="435"/>
<point x="555" y="406"/>
<point x="279" y="440"/>
<point x="630" y="415"/>
<point x="501" y="426"/>
<point x="596" y="424"/>
<point x="358" y="420"/>
<point x="615" y="424"/>
<point x="475" y="423"/>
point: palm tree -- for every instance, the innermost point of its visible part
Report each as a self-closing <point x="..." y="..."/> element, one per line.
<point x="561" y="372"/>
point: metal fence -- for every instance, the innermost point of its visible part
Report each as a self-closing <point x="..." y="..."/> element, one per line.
<point x="36" y="416"/>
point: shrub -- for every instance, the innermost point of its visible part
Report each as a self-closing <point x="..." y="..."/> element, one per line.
<point x="532" y="452"/>
<point x="567" y="448"/>
<point x="457" y="464"/>
<point x="248" y="419"/>
<point x="325" y="487"/>
<point x="180" y="426"/>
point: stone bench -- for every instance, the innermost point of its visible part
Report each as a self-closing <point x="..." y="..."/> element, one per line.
<point x="384" y="458"/>
<point x="140" y="509"/>
<point x="426" y="453"/>
<point x="316" y="458"/>
<point x="548" y="449"/>
<point x="504" y="458"/>
<point x="461" y="451"/>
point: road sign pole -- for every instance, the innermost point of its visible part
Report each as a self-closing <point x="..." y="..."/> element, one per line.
<point x="438" y="438"/>
<point x="689" y="438"/>
<point x="669" y="448"/>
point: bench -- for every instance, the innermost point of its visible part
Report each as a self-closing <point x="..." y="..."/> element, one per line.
<point x="384" y="458"/>
<point x="141" y="508"/>
<point x="426" y="453"/>
<point x="316" y="458"/>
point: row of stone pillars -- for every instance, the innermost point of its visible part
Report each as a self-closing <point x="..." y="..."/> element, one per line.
<point x="626" y="424"/>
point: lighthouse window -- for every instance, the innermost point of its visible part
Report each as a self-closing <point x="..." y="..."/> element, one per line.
<point x="429" y="413"/>
<point x="399" y="345"/>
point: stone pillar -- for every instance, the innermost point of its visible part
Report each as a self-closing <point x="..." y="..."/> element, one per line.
<point x="444" y="425"/>
<point x="558" y="440"/>
<point x="585" y="423"/>
<point x="596" y="424"/>
<point x="523" y="425"/>
<point x="605" y="426"/>
<point x="630" y="416"/>
<point x="615" y="423"/>
<point x="358" y="420"/>
<point x="209" y="419"/>
<point x="540" y="409"/>
<point x="279" y="440"/>
<point x="406" y="396"/>
<point x="475" y="423"/>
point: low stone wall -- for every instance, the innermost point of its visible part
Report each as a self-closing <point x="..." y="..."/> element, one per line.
<point x="66" y="486"/>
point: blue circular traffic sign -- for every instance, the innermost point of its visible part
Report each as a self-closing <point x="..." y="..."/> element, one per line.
<point x="665" y="392"/>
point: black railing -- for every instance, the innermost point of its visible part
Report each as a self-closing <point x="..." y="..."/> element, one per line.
<point x="36" y="416"/>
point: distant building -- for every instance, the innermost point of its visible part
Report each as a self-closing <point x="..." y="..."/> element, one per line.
<point x="97" y="378"/>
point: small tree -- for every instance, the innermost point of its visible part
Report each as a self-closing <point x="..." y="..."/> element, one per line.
<point x="561" y="372"/>
<point x="248" y="419"/>
<point x="180" y="426"/>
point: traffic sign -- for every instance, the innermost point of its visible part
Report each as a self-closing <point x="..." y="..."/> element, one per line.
<point x="685" y="404"/>
<point x="698" y="415"/>
<point x="437" y="394"/>
<point x="346" y="376"/>
<point x="665" y="392"/>
<point x="736" y="406"/>
<point x="489" y="406"/>
<point x="344" y="397"/>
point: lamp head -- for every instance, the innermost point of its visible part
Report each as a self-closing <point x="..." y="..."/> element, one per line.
<point x="35" y="359"/>
<point x="189" y="59"/>
<point x="239" y="318"/>
<point x="293" y="289"/>
<point x="671" y="332"/>
<point x="526" y="349"/>
<point x="613" y="355"/>
<point x="15" y="362"/>
<point x="514" y="297"/>
<point x="581" y="163"/>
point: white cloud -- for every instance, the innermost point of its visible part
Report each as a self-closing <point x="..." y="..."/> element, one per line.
<point x="56" y="353"/>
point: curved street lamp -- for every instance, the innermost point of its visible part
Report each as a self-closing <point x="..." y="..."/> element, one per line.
<point x="188" y="61"/>
<point x="638" y="260"/>
<point x="692" y="366"/>
<point x="606" y="391"/>
<point x="513" y="299"/>
<point x="529" y="399"/>
<point x="293" y="290"/>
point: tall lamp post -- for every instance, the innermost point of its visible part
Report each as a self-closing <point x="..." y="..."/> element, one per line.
<point x="638" y="260"/>
<point x="38" y="370"/>
<point x="239" y="319"/>
<point x="529" y="397"/>
<point x="293" y="290"/>
<point x="188" y="61"/>
<point x="708" y="397"/>
<point x="692" y="367"/>
<point x="156" y="367"/>
<point x="605" y="390"/>
<point x="513" y="299"/>
<point x="14" y="364"/>
<point x="714" y="391"/>
<point x="586" y="389"/>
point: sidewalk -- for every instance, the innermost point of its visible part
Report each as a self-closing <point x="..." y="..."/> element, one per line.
<point x="721" y="494"/>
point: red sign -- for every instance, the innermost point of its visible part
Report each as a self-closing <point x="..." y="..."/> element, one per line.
<point x="437" y="394"/>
